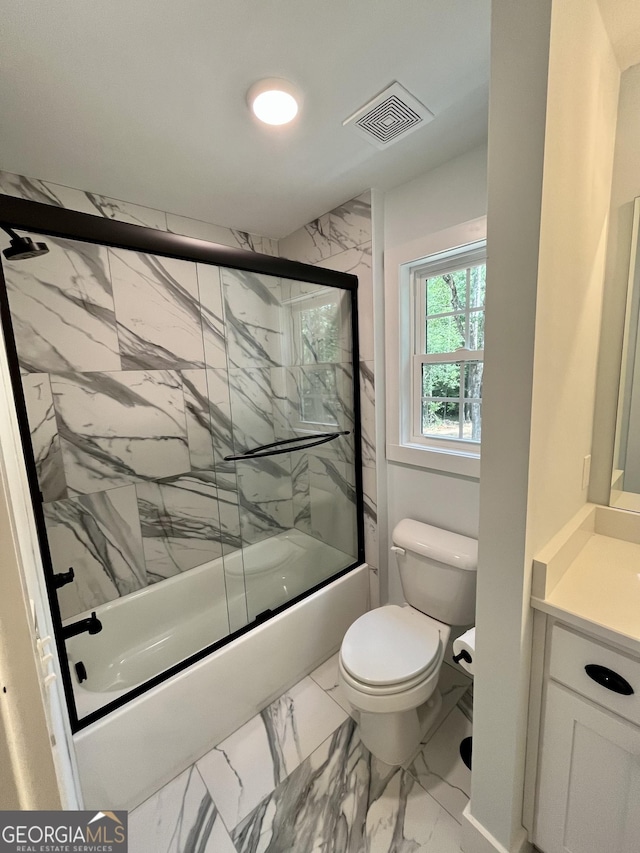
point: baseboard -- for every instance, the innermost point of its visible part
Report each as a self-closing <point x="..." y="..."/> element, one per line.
<point x="477" y="839"/>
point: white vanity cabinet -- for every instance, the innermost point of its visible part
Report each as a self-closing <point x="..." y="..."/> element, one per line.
<point x="588" y="781"/>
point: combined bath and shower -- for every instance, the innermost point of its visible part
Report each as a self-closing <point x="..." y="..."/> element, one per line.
<point x="22" y="247"/>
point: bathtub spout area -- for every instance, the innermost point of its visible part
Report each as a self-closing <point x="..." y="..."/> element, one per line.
<point x="91" y="625"/>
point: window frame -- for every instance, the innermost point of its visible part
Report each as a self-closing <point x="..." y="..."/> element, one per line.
<point x="464" y="257"/>
<point x="460" y="245"/>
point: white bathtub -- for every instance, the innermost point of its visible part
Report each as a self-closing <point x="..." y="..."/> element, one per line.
<point x="137" y="748"/>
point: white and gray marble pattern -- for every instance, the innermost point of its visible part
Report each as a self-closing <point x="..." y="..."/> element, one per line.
<point x="45" y="441"/>
<point x="157" y="311"/>
<point x="180" y="524"/>
<point x="350" y="224"/>
<point x="212" y="314"/>
<point x="44" y="192"/>
<point x="247" y="766"/>
<point x="62" y="309"/>
<point x="253" y="317"/>
<point x="180" y="818"/>
<point x="342" y="799"/>
<point x="251" y="397"/>
<point x="99" y="535"/>
<point x="198" y="417"/>
<point x="310" y="244"/>
<point x="265" y="497"/>
<point x="118" y="428"/>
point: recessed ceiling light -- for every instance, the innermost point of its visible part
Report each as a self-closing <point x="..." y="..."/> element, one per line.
<point x="273" y="101"/>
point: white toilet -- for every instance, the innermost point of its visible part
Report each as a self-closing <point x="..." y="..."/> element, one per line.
<point x="390" y="658"/>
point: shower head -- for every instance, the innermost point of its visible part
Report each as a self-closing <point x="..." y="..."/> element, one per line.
<point x="22" y="247"/>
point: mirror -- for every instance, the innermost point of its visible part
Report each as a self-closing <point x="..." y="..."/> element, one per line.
<point x="625" y="479"/>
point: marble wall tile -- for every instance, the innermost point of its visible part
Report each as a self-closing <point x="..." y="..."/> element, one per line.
<point x="332" y="500"/>
<point x="180" y="524"/>
<point x="180" y="818"/>
<point x="350" y="224"/>
<point x="251" y="408"/>
<point x="266" y="497"/>
<point x="44" y="436"/>
<point x="44" y="192"/>
<point x="198" y="418"/>
<point x="201" y="230"/>
<point x="301" y="492"/>
<point x="341" y="798"/>
<point x="99" y="535"/>
<point x="158" y="312"/>
<point x="368" y="413"/>
<point x="220" y="414"/>
<point x="248" y="765"/>
<point x="118" y="428"/>
<point x="62" y="309"/>
<point x="358" y="262"/>
<point x="310" y="244"/>
<point x="374" y="588"/>
<point x="229" y="509"/>
<point x="370" y="497"/>
<point x="253" y="318"/>
<point x="125" y="211"/>
<point x="212" y="312"/>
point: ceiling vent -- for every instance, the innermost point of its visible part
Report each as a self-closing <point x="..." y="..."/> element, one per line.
<point x="389" y="117"/>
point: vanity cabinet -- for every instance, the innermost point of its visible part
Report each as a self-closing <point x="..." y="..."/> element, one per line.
<point x="588" y="783"/>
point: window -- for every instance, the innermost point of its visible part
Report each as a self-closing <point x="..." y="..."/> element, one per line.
<point x="320" y="321"/>
<point x="448" y="296"/>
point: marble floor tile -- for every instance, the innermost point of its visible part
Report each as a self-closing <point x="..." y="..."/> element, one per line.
<point x="343" y="800"/>
<point x="245" y="768"/>
<point x="326" y="675"/>
<point x="440" y="770"/>
<point x="452" y="684"/>
<point x="180" y="818"/>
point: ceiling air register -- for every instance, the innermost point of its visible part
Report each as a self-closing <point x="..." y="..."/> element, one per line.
<point x="393" y="114"/>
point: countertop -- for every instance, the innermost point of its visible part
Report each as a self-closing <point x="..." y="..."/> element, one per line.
<point x="599" y="589"/>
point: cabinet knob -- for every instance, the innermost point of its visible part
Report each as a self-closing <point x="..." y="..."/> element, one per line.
<point x="609" y="679"/>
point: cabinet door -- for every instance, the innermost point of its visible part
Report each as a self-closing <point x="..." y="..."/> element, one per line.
<point x="588" y="779"/>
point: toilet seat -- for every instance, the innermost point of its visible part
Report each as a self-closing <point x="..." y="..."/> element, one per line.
<point x="391" y="649"/>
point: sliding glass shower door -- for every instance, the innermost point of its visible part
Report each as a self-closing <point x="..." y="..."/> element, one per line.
<point x="290" y="357"/>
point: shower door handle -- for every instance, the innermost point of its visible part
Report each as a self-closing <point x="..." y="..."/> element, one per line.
<point x="265" y="449"/>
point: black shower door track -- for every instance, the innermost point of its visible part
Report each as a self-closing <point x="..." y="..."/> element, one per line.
<point x="52" y="221"/>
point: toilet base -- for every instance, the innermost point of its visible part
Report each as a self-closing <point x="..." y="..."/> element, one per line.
<point x="395" y="737"/>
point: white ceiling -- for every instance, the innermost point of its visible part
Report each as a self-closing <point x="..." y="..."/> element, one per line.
<point x="144" y="100"/>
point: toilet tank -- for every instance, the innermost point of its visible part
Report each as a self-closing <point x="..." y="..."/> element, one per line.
<point x="437" y="570"/>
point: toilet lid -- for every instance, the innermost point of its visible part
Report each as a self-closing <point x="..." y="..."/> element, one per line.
<point x="390" y="644"/>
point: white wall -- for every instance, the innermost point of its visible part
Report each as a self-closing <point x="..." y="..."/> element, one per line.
<point x="420" y="217"/>
<point x="550" y="161"/>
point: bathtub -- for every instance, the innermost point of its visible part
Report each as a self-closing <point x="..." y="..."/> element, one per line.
<point x="135" y="749"/>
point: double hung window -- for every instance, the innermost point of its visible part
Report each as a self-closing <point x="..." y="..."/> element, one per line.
<point x="448" y="296"/>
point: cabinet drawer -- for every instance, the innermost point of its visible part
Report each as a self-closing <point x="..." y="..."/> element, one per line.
<point x="611" y="671"/>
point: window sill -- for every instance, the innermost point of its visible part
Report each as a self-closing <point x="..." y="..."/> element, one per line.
<point x="462" y="464"/>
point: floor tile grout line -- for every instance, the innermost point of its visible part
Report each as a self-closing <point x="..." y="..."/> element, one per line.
<point x="218" y="812"/>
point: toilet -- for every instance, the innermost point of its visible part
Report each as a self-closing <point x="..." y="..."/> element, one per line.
<point x="390" y="657"/>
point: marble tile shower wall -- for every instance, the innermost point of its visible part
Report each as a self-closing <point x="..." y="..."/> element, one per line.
<point x="341" y="240"/>
<point x="131" y="418"/>
<point x="129" y="397"/>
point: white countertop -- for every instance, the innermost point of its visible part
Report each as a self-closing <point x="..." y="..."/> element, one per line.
<point x="599" y="591"/>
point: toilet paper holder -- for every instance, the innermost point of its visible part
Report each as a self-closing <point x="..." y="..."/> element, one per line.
<point x="464" y="655"/>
